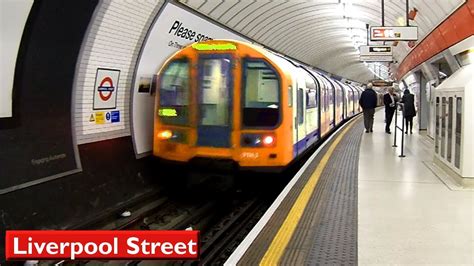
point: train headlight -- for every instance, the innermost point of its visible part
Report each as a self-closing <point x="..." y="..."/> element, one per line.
<point x="257" y="140"/>
<point x="165" y="134"/>
<point x="178" y="136"/>
<point x="268" y="140"/>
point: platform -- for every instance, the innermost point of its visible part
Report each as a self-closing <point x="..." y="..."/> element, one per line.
<point x="358" y="202"/>
<point x="407" y="214"/>
<point x="315" y="217"/>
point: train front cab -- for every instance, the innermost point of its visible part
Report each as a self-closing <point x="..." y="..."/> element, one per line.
<point x="223" y="101"/>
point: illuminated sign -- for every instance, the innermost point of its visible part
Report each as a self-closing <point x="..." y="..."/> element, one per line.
<point x="214" y="46"/>
<point x="394" y="33"/>
<point x="381" y="83"/>
<point x="375" y="50"/>
<point x="169" y="112"/>
<point x="382" y="49"/>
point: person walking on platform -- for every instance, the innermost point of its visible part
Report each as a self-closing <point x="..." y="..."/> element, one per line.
<point x="389" y="100"/>
<point x="409" y="111"/>
<point x="368" y="102"/>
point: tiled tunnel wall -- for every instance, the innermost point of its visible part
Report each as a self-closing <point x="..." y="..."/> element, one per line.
<point x="50" y="110"/>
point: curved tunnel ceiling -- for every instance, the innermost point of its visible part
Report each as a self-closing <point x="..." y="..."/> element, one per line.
<point x="324" y="33"/>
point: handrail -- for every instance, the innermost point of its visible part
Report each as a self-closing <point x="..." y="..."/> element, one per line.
<point x="402" y="107"/>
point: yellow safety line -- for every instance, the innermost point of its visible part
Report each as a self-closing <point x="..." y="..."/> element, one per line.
<point x="279" y="243"/>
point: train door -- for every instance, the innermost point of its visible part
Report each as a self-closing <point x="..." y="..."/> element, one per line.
<point x="345" y="100"/>
<point x="300" y="115"/>
<point x="339" y="106"/>
<point x="331" y="103"/>
<point x="312" y="110"/>
<point x="351" y="111"/>
<point x="324" y="109"/>
<point x="214" y="98"/>
<point x="356" y="100"/>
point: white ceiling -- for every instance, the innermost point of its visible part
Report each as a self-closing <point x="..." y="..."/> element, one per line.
<point x="318" y="32"/>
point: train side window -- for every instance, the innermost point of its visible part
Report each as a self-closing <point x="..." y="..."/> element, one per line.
<point x="300" y="107"/>
<point x="311" y="99"/>
<point x="290" y="96"/>
<point x="311" y="95"/>
<point x="331" y="95"/>
<point x="174" y="93"/>
<point x="261" y="95"/>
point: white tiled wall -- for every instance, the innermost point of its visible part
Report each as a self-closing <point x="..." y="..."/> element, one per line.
<point x="113" y="40"/>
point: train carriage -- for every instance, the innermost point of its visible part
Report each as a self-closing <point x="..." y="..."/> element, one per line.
<point x="230" y="101"/>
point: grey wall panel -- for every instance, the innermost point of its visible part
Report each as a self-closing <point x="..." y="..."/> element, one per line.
<point x="39" y="146"/>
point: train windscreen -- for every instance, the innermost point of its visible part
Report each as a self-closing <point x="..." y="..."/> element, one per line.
<point x="261" y="95"/>
<point x="174" y="94"/>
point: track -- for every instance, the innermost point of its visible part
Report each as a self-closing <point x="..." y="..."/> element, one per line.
<point x="224" y="211"/>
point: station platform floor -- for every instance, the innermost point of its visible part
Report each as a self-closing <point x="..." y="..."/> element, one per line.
<point x="357" y="202"/>
<point x="406" y="212"/>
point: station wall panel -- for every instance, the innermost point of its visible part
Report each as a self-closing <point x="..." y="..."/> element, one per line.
<point x="114" y="40"/>
<point x="457" y="27"/>
<point x="36" y="143"/>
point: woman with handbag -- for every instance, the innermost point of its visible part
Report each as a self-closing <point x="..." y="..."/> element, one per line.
<point x="409" y="111"/>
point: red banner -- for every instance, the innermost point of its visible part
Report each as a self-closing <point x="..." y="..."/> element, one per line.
<point x="74" y="245"/>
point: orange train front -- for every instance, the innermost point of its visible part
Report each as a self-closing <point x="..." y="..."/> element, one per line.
<point x="224" y="100"/>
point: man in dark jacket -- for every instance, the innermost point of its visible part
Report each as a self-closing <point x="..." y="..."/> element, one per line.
<point x="368" y="102"/>
<point x="409" y="110"/>
<point x="390" y="102"/>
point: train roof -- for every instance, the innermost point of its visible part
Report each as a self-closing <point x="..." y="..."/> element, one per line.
<point x="286" y="64"/>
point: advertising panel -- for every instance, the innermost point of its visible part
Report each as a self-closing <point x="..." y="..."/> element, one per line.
<point x="174" y="28"/>
<point x="39" y="146"/>
<point x="13" y="19"/>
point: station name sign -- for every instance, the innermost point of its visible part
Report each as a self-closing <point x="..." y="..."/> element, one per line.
<point x="394" y="33"/>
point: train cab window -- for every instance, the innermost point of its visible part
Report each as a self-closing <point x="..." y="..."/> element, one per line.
<point x="215" y="91"/>
<point x="261" y="95"/>
<point x="174" y="93"/>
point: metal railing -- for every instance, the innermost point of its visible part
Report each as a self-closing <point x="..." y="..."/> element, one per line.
<point x="402" y="107"/>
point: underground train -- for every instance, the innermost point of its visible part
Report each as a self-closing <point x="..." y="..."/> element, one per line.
<point x="229" y="101"/>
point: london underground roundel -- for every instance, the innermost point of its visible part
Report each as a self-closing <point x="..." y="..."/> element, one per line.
<point x="106" y="88"/>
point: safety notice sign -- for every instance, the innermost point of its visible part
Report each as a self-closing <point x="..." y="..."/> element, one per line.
<point x="105" y="89"/>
